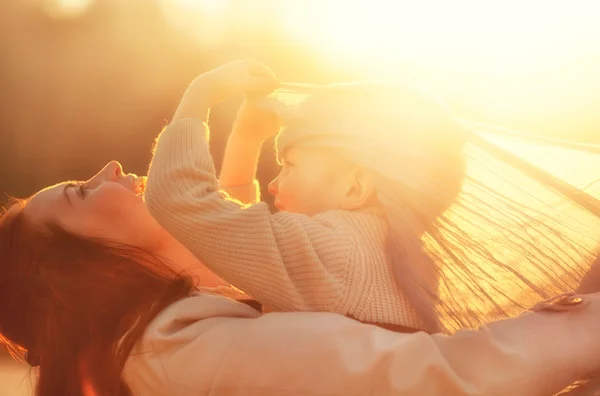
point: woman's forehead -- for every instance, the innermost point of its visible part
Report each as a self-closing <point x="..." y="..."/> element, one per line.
<point x="50" y="200"/>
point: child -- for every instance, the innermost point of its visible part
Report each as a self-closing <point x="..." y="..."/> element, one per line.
<point x="368" y="171"/>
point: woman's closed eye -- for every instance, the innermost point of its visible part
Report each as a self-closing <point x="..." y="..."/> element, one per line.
<point x="82" y="190"/>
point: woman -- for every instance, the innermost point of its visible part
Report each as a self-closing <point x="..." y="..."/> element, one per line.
<point x="93" y="290"/>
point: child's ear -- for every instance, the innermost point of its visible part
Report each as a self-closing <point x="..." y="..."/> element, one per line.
<point x="360" y="191"/>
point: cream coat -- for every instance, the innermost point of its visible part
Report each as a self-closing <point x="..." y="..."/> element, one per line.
<point x="213" y="345"/>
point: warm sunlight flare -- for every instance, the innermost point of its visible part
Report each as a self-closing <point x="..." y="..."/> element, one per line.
<point x="209" y="21"/>
<point x="502" y="37"/>
<point x="497" y="38"/>
<point x="66" y="8"/>
<point x="494" y="52"/>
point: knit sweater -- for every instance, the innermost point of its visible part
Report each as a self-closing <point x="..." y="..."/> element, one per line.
<point x="334" y="261"/>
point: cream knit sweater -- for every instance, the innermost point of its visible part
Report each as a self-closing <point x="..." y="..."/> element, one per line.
<point x="334" y="261"/>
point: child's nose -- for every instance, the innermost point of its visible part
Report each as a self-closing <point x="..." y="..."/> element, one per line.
<point x="273" y="187"/>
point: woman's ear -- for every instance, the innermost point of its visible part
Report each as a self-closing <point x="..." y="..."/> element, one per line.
<point x="360" y="190"/>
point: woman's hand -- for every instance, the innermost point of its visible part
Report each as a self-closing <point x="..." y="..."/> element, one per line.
<point x="215" y="86"/>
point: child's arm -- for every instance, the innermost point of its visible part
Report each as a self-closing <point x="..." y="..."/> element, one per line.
<point x="286" y="261"/>
<point x="251" y="128"/>
<point x="238" y="171"/>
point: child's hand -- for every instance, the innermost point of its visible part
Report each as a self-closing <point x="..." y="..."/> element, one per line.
<point x="217" y="85"/>
<point x="255" y="123"/>
<point x="236" y="78"/>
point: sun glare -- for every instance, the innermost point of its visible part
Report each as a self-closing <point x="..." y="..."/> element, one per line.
<point x="201" y="19"/>
<point x="496" y="55"/>
<point x="507" y="37"/>
<point x="209" y="6"/>
<point x="66" y="8"/>
<point x="502" y="37"/>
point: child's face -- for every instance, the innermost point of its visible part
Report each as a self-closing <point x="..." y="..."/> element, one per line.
<point x="311" y="181"/>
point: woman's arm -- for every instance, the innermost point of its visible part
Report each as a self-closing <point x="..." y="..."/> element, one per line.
<point x="327" y="354"/>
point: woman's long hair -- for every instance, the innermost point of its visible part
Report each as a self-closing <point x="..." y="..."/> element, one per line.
<point x="475" y="233"/>
<point x="76" y="306"/>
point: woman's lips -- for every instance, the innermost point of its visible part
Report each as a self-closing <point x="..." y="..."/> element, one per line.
<point x="279" y="206"/>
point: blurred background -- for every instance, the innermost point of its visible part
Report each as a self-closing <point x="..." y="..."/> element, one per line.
<point x="87" y="81"/>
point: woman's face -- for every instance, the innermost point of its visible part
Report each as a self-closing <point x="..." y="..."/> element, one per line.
<point x="109" y="205"/>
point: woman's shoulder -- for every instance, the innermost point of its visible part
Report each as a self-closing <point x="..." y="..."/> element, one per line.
<point x="185" y="343"/>
<point x="199" y="306"/>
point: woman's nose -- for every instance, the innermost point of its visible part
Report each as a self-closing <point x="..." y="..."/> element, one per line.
<point x="112" y="171"/>
<point x="273" y="186"/>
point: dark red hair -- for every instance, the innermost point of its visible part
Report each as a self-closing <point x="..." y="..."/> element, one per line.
<point x="68" y="301"/>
